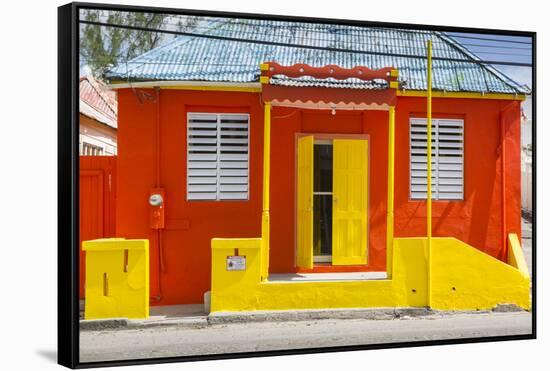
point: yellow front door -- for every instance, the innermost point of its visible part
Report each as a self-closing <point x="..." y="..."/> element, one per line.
<point x="304" y="254"/>
<point x="349" y="210"/>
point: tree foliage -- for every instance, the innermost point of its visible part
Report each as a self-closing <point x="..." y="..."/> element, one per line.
<point x="102" y="47"/>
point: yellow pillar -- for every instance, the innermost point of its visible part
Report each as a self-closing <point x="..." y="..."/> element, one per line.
<point x="265" y="207"/>
<point x="429" y="172"/>
<point x="389" y="219"/>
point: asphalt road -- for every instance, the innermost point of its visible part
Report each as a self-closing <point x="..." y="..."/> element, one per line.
<point x="246" y="337"/>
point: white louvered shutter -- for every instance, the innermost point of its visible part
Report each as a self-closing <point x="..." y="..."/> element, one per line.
<point x="217" y="156"/>
<point x="447" y="159"/>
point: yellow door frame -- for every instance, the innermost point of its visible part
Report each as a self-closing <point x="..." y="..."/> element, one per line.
<point x="304" y="197"/>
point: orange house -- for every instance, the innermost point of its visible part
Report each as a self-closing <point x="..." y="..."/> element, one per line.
<point x="192" y="129"/>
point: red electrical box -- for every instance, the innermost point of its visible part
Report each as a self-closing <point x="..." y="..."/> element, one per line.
<point x="156" y="205"/>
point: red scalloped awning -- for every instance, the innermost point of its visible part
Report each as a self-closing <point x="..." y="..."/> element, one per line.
<point x="328" y="87"/>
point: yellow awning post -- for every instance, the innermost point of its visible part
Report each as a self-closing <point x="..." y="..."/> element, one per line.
<point x="429" y="172"/>
<point x="389" y="219"/>
<point x="265" y="205"/>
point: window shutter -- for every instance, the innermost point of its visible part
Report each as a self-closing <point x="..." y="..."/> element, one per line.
<point x="233" y="164"/>
<point x="217" y="156"/>
<point x="447" y="159"/>
<point x="450" y="159"/>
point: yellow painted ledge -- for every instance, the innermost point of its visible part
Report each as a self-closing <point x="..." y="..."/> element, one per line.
<point x="455" y="94"/>
<point x="463" y="278"/>
<point x="255" y="87"/>
<point x="186" y="85"/>
<point x="215" y="88"/>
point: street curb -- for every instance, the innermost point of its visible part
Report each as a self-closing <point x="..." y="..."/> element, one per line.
<point x="256" y="316"/>
<point x="192" y="322"/>
<point x="224" y="318"/>
<point x="353" y="313"/>
<point x="103" y="324"/>
<point x="321" y="314"/>
<point x="129" y="324"/>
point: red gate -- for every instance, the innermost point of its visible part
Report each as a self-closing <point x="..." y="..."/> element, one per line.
<point x="97" y="202"/>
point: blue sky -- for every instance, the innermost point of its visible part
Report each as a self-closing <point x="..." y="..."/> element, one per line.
<point x="507" y="49"/>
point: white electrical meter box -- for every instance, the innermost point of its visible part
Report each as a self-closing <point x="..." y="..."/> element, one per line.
<point x="236" y="263"/>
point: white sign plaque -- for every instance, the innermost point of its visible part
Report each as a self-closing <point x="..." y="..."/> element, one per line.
<point x="236" y="263"/>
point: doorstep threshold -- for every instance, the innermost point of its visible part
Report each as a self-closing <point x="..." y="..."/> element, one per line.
<point x="326" y="277"/>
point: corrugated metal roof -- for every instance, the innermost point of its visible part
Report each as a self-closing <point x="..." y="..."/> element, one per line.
<point x="206" y="59"/>
<point x="98" y="102"/>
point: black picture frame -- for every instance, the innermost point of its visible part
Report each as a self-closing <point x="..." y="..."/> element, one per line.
<point x="68" y="184"/>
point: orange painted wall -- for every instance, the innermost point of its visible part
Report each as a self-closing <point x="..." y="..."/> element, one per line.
<point x="183" y="259"/>
<point x="184" y="263"/>
<point x="478" y="219"/>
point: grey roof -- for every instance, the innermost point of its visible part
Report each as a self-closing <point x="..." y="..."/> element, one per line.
<point x="191" y="58"/>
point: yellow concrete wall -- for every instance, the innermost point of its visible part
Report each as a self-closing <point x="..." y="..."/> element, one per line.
<point x="467" y="278"/>
<point x="243" y="290"/>
<point x="480" y="281"/>
<point x="230" y="281"/>
<point x="125" y="293"/>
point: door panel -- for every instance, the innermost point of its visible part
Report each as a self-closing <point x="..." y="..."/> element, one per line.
<point x="349" y="218"/>
<point x="304" y="256"/>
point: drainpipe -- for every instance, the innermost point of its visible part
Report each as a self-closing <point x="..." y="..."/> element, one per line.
<point x="265" y="206"/>
<point x="157" y="137"/>
<point x="160" y="267"/>
<point x="503" y="179"/>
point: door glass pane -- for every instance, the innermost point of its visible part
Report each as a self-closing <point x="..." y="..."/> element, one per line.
<point x="322" y="225"/>
<point x="322" y="168"/>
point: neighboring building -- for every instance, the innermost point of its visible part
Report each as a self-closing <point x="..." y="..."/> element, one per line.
<point x="191" y="129"/>
<point x="526" y="123"/>
<point x="527" y="158"/>
<point x="98" y="119"/>
<point x="97" y="165"/>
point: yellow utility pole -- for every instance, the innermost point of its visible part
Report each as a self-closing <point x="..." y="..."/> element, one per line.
<point x="265" y="206"/>
<point x="429" y="173"/>
<point x="389" y="219"/>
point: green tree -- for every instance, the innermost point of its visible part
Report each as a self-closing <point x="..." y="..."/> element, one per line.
<point x="102" y="47"/>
